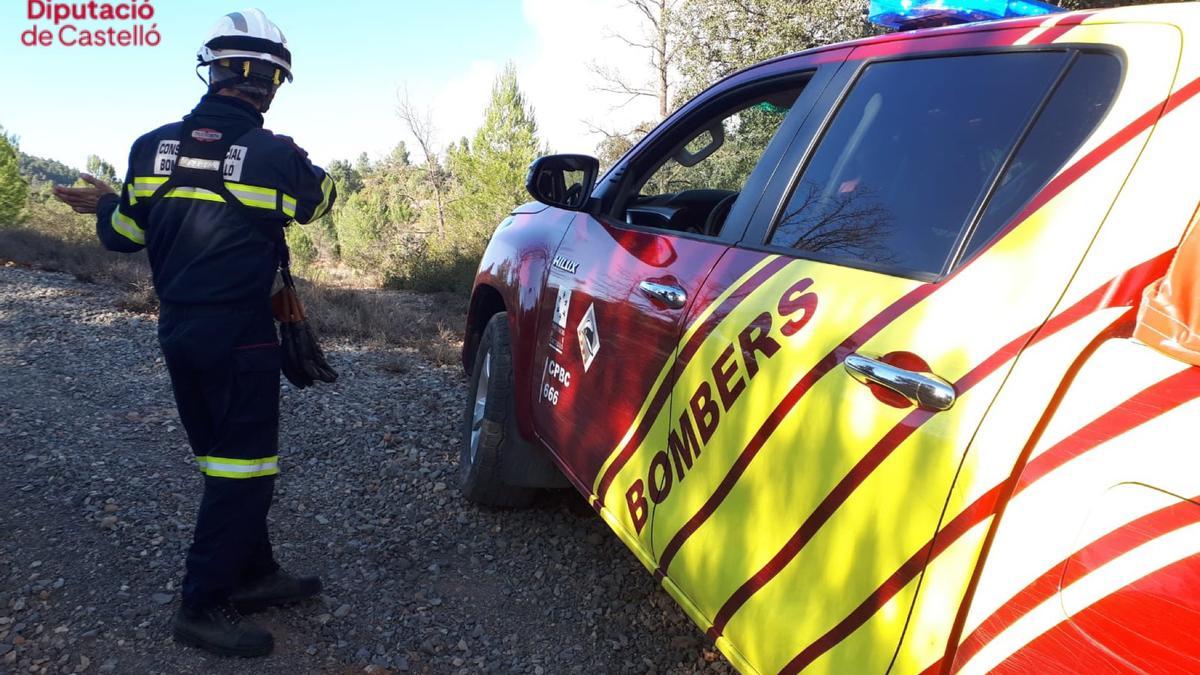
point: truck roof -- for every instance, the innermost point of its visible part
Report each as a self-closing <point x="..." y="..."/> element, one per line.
<point x="1184" y="15"/>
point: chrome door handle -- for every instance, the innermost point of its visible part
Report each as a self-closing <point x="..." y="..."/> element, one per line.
<point x="924" y="390"/>
<point x="671" y="296"/>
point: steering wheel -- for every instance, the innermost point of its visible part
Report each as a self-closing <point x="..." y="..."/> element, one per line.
<point x="716" y="217"/>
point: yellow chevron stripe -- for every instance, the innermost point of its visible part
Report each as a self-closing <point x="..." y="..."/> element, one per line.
<point x="666" y="369"/>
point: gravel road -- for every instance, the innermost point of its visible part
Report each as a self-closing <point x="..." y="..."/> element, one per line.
<point x="99" y="494"/>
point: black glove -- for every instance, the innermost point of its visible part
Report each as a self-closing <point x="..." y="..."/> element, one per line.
<point x="303" y="361"/>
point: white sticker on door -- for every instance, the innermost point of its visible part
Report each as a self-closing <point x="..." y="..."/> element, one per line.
<point x="589" y="338"/>
<point x="558" y="328"/>
<point x="555" y="380"/>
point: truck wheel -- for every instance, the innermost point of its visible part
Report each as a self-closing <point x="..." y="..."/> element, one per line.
<point x="489" y="422"/>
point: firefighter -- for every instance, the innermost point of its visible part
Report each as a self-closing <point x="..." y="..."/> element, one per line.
<point x="207" y="198"/>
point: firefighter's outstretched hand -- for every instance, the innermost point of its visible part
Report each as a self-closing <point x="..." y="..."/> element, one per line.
<point x="83" y="199"/>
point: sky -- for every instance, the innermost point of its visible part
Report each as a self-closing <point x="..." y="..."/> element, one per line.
<point x="352" y="59"/>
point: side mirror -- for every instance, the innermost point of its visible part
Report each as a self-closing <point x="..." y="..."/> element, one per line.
<point x="565" y="181"/>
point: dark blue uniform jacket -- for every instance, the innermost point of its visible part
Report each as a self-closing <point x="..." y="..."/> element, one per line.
<point x="202" y="250"/>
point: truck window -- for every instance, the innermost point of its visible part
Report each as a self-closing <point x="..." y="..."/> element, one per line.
<point x="692" y="185"/>
<point x="1073" y="113"/>
<point x="905" y="164"/>
<point x="736" y="141"/>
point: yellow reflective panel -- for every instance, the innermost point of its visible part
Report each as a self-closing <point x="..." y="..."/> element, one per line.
<point x="763" y="508"/>
<point x="218" y="473"/>
<point x="193" y="193"/>
<point x="254" y="189"/>
<point x="144" y="186"/>
<point x="869" y="649"/>
<point x="693" y="326"/>
<point x="886" y="521"/>
<point x="253" y="200"/>
<point x="225" y="467"/>
<point x="326" y="193"/>
<point x="637" y="467"/>
<point x="126" y="227"/>
<point x="240" y="462"/>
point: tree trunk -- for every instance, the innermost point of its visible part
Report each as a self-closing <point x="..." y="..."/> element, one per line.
<point x="437" y="196"/>
<point x="664" y="63"/>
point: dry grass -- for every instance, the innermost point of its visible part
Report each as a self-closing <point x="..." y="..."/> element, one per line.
<point x="429" y="323"/>
<point x="86" y="262"/>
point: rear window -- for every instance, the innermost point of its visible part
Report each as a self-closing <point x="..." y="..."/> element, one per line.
<point x="1075" y="110"/>
<point x="908" y="160"/>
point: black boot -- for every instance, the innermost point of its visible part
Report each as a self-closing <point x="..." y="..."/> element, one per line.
<point x="277" y="588"/>
<point x="221" y="629"/>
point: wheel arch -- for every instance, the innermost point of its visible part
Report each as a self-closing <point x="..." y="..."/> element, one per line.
<point x="486" y="302"/>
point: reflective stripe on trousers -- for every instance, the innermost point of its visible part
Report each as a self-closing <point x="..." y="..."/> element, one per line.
<point x="228" y="467"/>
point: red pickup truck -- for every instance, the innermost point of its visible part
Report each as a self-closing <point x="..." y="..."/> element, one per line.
<point x="874" y="354"/>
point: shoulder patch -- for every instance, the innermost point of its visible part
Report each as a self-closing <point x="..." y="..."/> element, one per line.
<point x="207" y="135"/>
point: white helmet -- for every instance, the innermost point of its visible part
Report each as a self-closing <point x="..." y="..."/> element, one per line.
<point x="247" y="35"/>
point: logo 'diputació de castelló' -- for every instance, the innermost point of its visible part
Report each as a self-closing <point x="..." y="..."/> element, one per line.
<point x="72" y="24"/>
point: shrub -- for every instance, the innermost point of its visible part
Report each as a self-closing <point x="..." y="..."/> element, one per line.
<point x="301" y="245"/>
<point x="14" y="191"/>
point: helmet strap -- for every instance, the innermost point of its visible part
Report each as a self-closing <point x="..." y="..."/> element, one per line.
<point x="239" y="75"/>
<point x="215" y="85"/>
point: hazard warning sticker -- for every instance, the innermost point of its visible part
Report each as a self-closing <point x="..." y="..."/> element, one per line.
<point x="589" y="339"/>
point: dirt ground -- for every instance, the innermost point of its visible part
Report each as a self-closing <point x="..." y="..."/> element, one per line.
<point x="100" y="492"/>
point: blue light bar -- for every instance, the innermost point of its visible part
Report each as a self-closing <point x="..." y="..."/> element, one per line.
<point x="909" y="14"/>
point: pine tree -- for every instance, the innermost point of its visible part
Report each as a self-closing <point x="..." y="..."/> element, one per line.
<point x="490" y="169"/>
<point x="14" y="191"/>
<point x="102" y="170"/>
<point x="348" y="179"/>
<point x="398" y="158"/>
<point x="363" y="164"/>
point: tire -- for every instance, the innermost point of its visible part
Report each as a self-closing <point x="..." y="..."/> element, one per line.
<point x="489" y="429"/>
